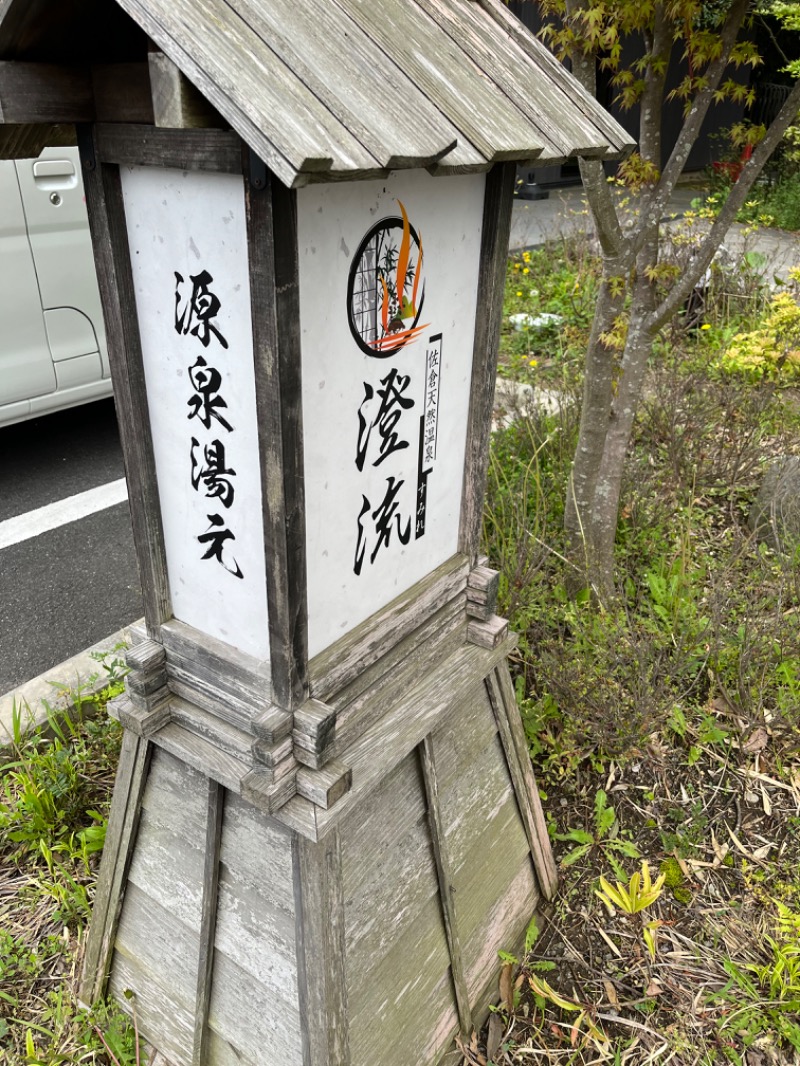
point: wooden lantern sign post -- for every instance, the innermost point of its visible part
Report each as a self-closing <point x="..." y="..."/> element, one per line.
<point x="325" y="823"/>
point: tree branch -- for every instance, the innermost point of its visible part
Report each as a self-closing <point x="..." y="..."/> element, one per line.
<point x="653" y="208"/>
<point x="701" y="260"/>
<point x="774" y="39"/>
<point x="603" y="208"/>
<point x="652" y="102"/>
<point x="584" y="64"/>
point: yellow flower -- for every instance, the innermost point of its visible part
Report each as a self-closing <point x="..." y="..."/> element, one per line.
<point x="519" y="293"/>
<point x="526" y="271"/>
<point x="705" y="326"/>
<point x="533" y="362"/>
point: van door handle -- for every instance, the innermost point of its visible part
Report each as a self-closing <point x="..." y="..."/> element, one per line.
<point x="53" y="168"/>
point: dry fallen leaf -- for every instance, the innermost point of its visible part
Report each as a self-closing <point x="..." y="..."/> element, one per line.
<point x="757" y="741"/>
<point x="611" y="994"/>
<point x="610" y="942"/>
<point x="654" y="988"/>
<point x="682" y="863"/>
<point x="754" y="855"/>
<point x="494" y="1037"/>
<point x="719" y="851"/>
<point x="507" y="987"/>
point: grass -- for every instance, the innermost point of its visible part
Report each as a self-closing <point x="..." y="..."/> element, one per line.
<point x="664" y="731"/>
<point x="549" y="302"/>
<point x="55" y="790"/>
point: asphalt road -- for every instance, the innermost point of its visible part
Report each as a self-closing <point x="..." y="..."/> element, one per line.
<point x="65" y="588"/>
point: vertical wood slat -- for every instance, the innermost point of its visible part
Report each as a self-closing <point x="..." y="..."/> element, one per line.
<point x="123" y="821"/>
<point x="275" y="296"/>
<point x="112" y="260"/>
<point x="498" y="202"/>
<point x="208" y="920"/>
<point x="512" y="736"/>
<point x="320" y="918"/>
<point x="446" y="889"/>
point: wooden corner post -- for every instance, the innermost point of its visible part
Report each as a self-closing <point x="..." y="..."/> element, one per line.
<point x="274" y="287"/>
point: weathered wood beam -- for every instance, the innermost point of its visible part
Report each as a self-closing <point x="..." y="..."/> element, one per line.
<point x="275" y="290"/>
<point x="321" y="950"/>
<point x="446" y="887"/>
<point x="176" y="103"/>
<point x="498" y="202"/>
<point x="48" y="94"/>
<point x="208" y="920"/>
<point x="45" y="92"/>
<point x="26" y="142"/>
<point x="117" y="853"/>
<point x="512" y="737"/>
<point x="122" y="93"/>
<point x="112" y="259"/>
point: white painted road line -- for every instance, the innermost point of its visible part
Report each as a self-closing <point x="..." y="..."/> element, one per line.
<point x="33" y="523"/>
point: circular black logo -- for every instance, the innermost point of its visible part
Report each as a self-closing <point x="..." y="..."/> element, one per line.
<point x="386" y="289"/>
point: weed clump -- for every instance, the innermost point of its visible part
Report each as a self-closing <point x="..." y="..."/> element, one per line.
<point x="664" y="727"/>
<point x="54" y="800"/>
<point x="674" y="880"/>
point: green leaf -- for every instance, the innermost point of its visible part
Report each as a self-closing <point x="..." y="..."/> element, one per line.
<point x="626" y="848"/>
<point x="574" y="855"/>
<point x="616" y="866"/>
<point x="580" y="836"/>
<point x="677" y="721"/>
<point x="531" y="934"/>
<point x="603" y="814"/>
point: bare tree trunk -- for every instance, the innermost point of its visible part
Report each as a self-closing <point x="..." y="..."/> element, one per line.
<point x="601" y="528"/>
<point x="598" y="382"/>
<point x="614" y="381"/>
<point x="598" y="392"/>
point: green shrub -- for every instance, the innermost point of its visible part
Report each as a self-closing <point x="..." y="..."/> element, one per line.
<point x="772" y="351"/>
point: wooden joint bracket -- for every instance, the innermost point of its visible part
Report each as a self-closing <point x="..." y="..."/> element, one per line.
<point x="259" y="788"/>
<point x="147" y="709"/>
<point x="177" y="104"/>
<point x="324" y="787"/>
<point x="147" y="663"/>
<point x="272" y="756"/>
<point x="314" y="734"/>
<point x="142" y="718"/>
<point x="482" y="586"/>
<point x="488" y="634"/>
<point x="272" y="725"/>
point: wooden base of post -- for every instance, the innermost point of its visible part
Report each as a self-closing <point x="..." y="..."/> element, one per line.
<point x="247" y="940"/>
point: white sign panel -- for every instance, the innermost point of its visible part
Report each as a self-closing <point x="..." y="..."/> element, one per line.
<point x="188" y="247"/>
<point x="388" y="290"/>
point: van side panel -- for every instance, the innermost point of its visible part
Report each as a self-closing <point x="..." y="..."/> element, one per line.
<point x="55" y="211"/>
<point x="26" y="369"/>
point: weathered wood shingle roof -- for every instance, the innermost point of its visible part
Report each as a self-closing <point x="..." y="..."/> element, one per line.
<point x="350" y="88"/>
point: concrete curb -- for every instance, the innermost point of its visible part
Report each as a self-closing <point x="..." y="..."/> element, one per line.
<point x="27" y="701"/>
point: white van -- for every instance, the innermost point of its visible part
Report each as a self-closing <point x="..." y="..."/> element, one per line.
<point x="52" y="338"/>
